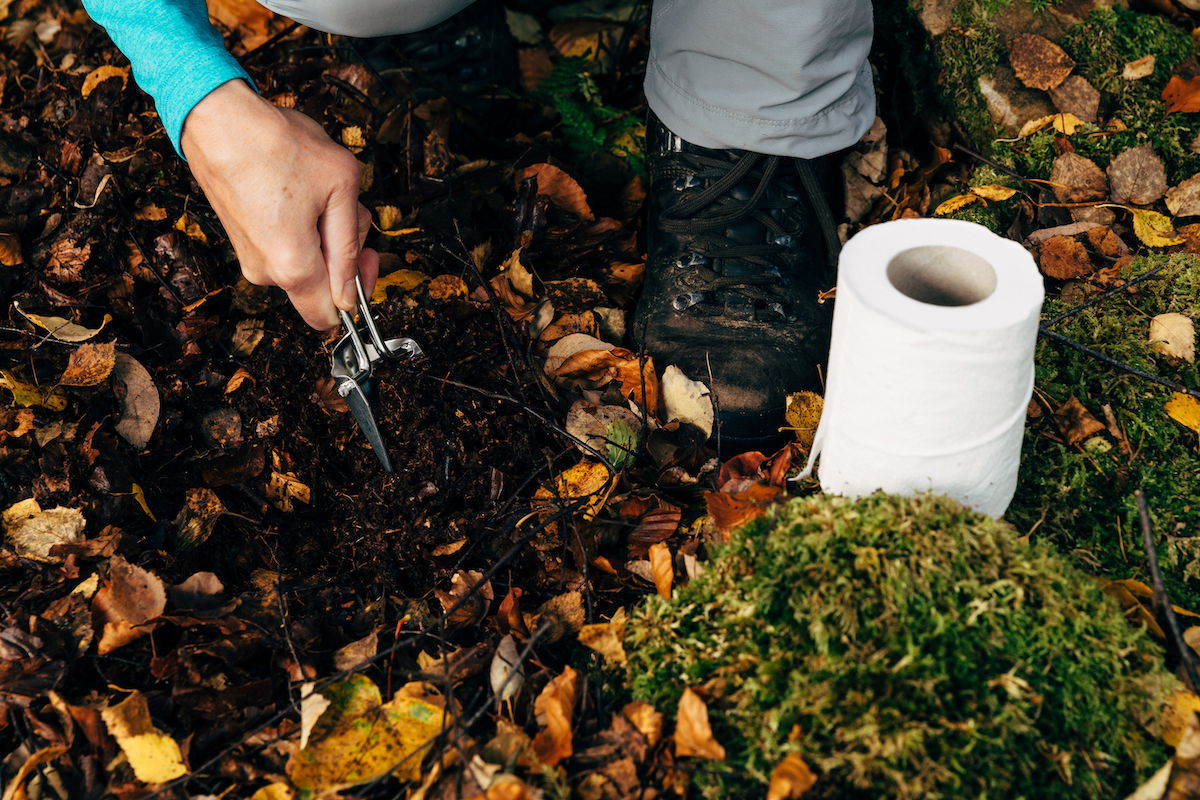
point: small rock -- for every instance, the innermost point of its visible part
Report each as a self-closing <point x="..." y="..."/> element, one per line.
<point x="1184" y="200"/>
<point x="1062" y="257"/>
<point x="1077" y="179"/>
<point x="1009" y="103"/>
<point x="1137" y="176"/>
<point x="1077" y="96"/>
<point x="1073" y="229"/>
<point x="1038" y="62"/>
<point x="1107" y="243"/>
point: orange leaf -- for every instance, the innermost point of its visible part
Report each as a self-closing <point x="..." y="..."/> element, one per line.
<point x="730" y="510"/>
<point x="660" y="567"/>
<point x="790" y="779"/>
<point x="1182" y="94"/>
<point x="554" y="707"/>
<point x="560" y="187"/>
<point x="693" y="734"/>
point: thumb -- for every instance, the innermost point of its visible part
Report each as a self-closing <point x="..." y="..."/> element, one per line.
<point x="340" y="244"/>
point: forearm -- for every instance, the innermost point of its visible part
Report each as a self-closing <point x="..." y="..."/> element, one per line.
<point x="176" y="54"/>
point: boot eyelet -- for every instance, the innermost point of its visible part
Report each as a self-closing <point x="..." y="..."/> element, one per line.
<point x="690" y="260"/>
<point x="685" y="182"/>
<point x="786" y="241"/>
<point x="683" y="302"/>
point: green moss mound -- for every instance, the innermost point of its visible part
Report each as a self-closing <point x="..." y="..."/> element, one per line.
<point x="918" y="649"/>
<point x="1081" y="498"/>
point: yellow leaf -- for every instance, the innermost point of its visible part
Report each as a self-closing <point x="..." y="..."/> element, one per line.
<point x="139" y="494"/>
<point x="154" y="756"/>
<point x="1063" y="123"/>
<point x="10" y="251"/>
<point x="693" y="733"/>
<point x="607" y="639"/>
<point x="446" y="287"/>
<point x="1184" y="409"/>
<point x="100" y="74"/>
<point x="1180" y="705"/>
<point x="284" y="488"/>
<point x="389" y="217"/>
<point x="188" y="225"/>
<point x="661" y="569"/>
<point x="357" y="738"/>
<point x="33" y="532"/>
<point x="1153" y="228"/>
<point x="401" y="232"/>
<point x="791" y="778"/>
<point x="803" y="414"/>
<point x="956" y="203"/>
<point x="63" y="329"/>
<point x="26" y="394"/>
<point x="405" y="279"/>
<point x="274" y="791"/>
<point x="588" y="481"/>
<point x="352" y="137"/>
<point x="89" y="364"/>
<point x="1174" y="335"/>
<point x="993" y="192"/>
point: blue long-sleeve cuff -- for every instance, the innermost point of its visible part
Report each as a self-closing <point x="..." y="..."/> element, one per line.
<point x="178" y="57"/>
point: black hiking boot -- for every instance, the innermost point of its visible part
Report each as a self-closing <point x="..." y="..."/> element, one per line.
<point x="739" y="247"/>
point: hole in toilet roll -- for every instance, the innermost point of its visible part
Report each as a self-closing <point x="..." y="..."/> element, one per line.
<point x="942" y="275"/>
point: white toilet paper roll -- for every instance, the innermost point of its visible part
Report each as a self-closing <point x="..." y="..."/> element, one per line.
<point x="931" y="364"/>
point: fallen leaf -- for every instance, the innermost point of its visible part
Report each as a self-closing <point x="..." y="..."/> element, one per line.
<point x="357" y="653"/>
<point x="1039" y="62"/>
<point x="239" y="377"/>
<point x="1063" y="257"/>
<point x="16" y="790"/>
<point x="1184" y="409"/>
<point x="802" y="413"/>
<point x="956" y="203"/>
<point x="352" y="138"/>
<point x="1182" y="94"/>
<point x="1174" y="335"/>
<point x="127" y="601"/>
<point x="563" y="190"/>
<point x="686" y="400"/>
<point x="200" y="591"/>
<point x="32" y="532"/>
<point x="1138" y="68"/>
<point x="693" y="734"/>
<point x="661" y="569"/>
<point x="609" y="430"/>
<point x="1076" y="179"/>
<point x="1153" y="228"/>
<point x="406" y="280"/>
<point x="1061" y="122"/>
<point x="588" y="481"/>
<point x="1183" y="200"/>
<point x="89" y="364"/>
<point x="247" y="335"/>
<point x="63" y="329"/>
<point x="648" y="721"/>
<point x="731" y="510"/>
<point x="196" y="519"/>
<point x="791" y="779"/>
<point x="102" y="73"/>
<point x="10" y="250"/>
<point x="446" y="287"/>
<point x="357" y="738"/>
<point x="26" y="394"/>
<point x="1076" y="423"/>
<point x="138" y="398"/>
<point x="1137" y="176"/>
<point x="555" y="706"/>
<point x="507" y="673"/>
<point x="285" y="490"/>
<point x="274" y="791"/>
<point x="607" y="638"/>
<point x="191" y="228"/>
<point x="154" y="756"/>
<point x="1077" y="96"/>
<point x="995" y="193"/>
<point x="1179" y="706"/>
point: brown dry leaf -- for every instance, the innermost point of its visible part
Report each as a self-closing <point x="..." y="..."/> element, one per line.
<point x="196" y="519"/>
<point x="1184" y="409"/>
<point x="63" y="329"/>
<point x="357" y="652"/>
<point x="555" y="706"/>
<point x="1077" y="96"/>
<point x="693" y="734"/>
<point x="239" y="377"/>
<point x="32" y="532"/>
<point x="611" y="431"/>
<point x="126" y="602"/>
<point x="791" y="779"/>
<point x="16" y="789"/>
<point x="562" y="614"/>
<point x="89" y="364"/>
<point x="1039" y="62"/>
<point x="563" y="190"/>
<point x="102" y="73"/>
<point x="731" y="510"/>
<point x="10" y="250"/>
<point x="150" y="213"/>
<point x="1137" y="176"/>
<point x="1133" y="608"/>
<point x="1174" y="335"/>
<point x="585" y="38"/>
<point x="1184" y="200"/>
<point x="1139" y="68"/>
<point x="1182" y="94"/>
<point x="648" y="721"/>
<point x="1077" y="179"/>
<point x="1062" y="258"/>
<point x="138" y="397"/>
<point x="661" y="569"/>
<point x="154" y="756"/>
<point x="607" y="638"/>
<point x="285" y="490"/>
<point x="1076" y="422"/>
<point x="446" y="287"/>
<point x="247" y="16"/>
<point x="247" y="335"/>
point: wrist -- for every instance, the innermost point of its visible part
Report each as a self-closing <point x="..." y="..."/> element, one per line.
<point x="230" y="101"/>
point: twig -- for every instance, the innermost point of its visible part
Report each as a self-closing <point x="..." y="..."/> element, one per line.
<point x="1070" y="312"/>
<point x="1112" y="362"/>
<point x="269" y="43"/>
<point x="1162" y="603"/>
<point x="998" y="167"/>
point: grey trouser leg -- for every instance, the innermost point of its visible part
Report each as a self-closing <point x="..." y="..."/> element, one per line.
<point x="783" y="77"/>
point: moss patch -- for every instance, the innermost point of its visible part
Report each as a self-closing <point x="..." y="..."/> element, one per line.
<point x="915" y="648"/>
<point x="1083" y="496"/>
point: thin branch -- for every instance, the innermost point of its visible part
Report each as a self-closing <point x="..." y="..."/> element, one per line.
<point x="1162" y="603"/>
<point x="1145" y="276"/>
<point x="1120" y="365"/>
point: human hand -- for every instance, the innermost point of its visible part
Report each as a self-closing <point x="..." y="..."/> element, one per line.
<point x="287" y="196"/>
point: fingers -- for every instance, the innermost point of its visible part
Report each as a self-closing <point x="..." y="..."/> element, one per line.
<point x="341" y="241"/>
